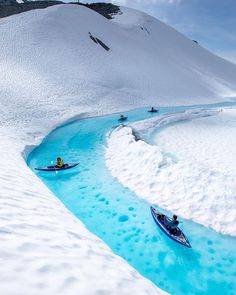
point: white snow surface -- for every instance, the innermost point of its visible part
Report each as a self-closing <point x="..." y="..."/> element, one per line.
<point x="190" y="169"/>
<point x="52" y="71"/>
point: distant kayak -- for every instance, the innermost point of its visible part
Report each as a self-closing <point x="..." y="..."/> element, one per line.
<point x="122" y="119"/>
<point x="163" y="222"/>
<point x="54" y="168"/>
<point x="153" y="111"/>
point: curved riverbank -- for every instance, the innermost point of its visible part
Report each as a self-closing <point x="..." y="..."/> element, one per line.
<point x="195" y="188"/>
<point x="124" y="222"/>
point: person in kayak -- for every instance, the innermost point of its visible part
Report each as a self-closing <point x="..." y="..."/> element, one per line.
<point x="160" y="216"/>
<point x="60" y="163"/>
<point x="153" y="110"/>
<point x="173" y="224"/>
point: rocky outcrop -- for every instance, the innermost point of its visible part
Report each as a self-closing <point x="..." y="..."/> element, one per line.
<point x="98" y="41"/>
<point x="7" y="2"/>
<point x="105" y="9"/>
<point x="9" y="7"/>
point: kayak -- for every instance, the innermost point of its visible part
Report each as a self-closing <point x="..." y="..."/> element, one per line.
<point x="153" y="111"/>
<point x="162" y="221"/>
<point x="123" y="119"/>
<point x="54" y="168"/>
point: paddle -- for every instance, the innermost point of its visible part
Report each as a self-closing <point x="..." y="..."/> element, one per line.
<point x="55" y="167"/>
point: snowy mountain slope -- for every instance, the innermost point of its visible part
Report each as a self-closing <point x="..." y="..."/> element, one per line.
<point x="51" y="70"/>
<point x="48" y="53"/>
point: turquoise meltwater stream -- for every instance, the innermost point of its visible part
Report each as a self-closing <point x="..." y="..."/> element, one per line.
<point x="123" y="220"/>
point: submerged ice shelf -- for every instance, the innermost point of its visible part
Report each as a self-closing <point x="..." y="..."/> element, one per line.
<point x="124" y="221"/>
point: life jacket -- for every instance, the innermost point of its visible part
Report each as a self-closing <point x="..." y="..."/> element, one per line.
<point x="173" y="224"/>
<point x="60" y="163"/>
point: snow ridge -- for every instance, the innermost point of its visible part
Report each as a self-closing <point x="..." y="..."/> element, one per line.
<point x="191" y="173"/>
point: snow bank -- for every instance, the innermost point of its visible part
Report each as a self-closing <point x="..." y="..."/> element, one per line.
<point x="190" y="170"/>
<point x="44" y="249"/>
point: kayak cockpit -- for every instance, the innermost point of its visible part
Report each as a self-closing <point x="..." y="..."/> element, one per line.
<point x="122" y="118"/>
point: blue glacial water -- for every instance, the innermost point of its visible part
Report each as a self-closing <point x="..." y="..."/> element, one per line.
<point x="124" y="222"/>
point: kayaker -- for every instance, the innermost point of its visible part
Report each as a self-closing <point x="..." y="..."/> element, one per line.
<point x="173" y="224"/>
<point x="160" y="216"/>
<point x="153" y="110"/>
<point x="60" y="163"/>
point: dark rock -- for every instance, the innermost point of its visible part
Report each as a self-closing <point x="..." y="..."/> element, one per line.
<point x="98" y="41"/>
<point x="103" y="45"/>
<point x="9" y="7"/>
<point x="145" y="29"/>
<point x="105" y="9"/>
<point x="15" y="8"/>
<point x="8" y="2"/>
<point x="93" y="38"/>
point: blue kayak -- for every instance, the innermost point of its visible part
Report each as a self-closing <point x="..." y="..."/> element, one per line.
<point x="54" y="168"/>
<point x="122" y="119"/>
<point x="162" y="221"/>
